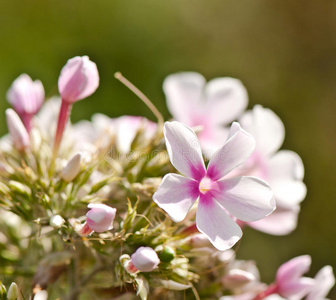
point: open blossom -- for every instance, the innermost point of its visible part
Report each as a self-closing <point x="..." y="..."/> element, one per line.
<point x="208" y="106"/>
<point x="246" y="198"/>
<point x="26" y="96"/>
<point x="79" y="79"/>
<point x="282" y="170"/>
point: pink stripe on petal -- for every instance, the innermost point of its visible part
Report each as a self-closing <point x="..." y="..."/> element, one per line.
<point x="247" y="198"/>
<point x="184" y="150"/>
<point x="214" y="222"/>
<point x="176" y="195"/>
<point x="238" y="147"/>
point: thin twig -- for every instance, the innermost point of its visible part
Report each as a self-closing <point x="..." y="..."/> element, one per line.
<point x="141" y="95"/>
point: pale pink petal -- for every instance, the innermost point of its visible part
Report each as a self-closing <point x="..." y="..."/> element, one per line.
<point x="247" y="198"/>
<point x="266" y="128"/>
<point x="293" y="269"/>
<point x="176" y="195"/>
<point x="238" y="147"/>
<point x="280" y="222"/>
<point x="324" y="281"/>
<point x="214" y="222"/>
<point x="226" y="99"/>
<point x="288" y="193"/>
<point x="285" y="164"/>
<point x="184" y="95"/>
<point x="212" y="140"/>
<point x="296" y="290"/>
<point x="184" y="149"/>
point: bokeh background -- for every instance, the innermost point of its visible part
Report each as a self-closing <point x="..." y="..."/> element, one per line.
<point x="284" y="51"/>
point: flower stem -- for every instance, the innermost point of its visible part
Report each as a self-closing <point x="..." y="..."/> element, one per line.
<point x="272" y="289"/>
<point x="63" y="118"/>
<point x="141" y="95"/>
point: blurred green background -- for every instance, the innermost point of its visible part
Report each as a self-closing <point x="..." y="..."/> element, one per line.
<point x="284" y="51"/>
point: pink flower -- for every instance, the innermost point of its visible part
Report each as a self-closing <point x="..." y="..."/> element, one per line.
<point x="282" y="170"/>
<point x="246" y="198"/>
<point x="26" y="96"/>
<point x="208" y="106"/>
<point x="17" y="131"/>
<point x="145" y="259"/>
<point x="99" y="218"/>
<point x="324" y="281"/>
<point x="79" y="79"/>
<point x="289" y="280"/>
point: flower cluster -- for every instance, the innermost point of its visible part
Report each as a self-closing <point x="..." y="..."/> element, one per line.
<point x="131" y="208"/>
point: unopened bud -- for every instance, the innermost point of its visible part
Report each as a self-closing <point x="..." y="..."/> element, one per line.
<point x="56" y="221"/>
<point x="13" y="292"/>
<point x="79" y="78"/>
<point x="17" y="131"/>
<point x="41" y="295"/>
<point x="145" y="259"/>
<point x="72" y="168"/>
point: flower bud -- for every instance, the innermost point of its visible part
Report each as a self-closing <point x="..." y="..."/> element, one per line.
<point x="26" y="97"/>
<point x="17" y="130"/>
<point x="13" y="292"/>
<point x="41" y="295"/>
<point x="56" y="221"/>
<point x="100" y="217"/>
<point x="145" y="259"/>
<point x="72" y="168"/>
<point x="79" y="79"/>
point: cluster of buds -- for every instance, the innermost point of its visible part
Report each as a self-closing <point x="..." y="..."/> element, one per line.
<point x="130" y="207"/>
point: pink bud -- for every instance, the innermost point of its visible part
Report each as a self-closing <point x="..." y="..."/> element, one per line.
<point x="100" y="217"/>
<point x="289" y="278"/>
<point x="26" y="96"/>
<point x="145" y="259"/>
<point x="17" y="130"/>
<point x="79" y="79"/>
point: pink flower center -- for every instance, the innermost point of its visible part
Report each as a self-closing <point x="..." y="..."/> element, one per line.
<point x="205" y="185"/>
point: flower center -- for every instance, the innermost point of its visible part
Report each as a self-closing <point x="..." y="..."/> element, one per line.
<point x="205" y="185"/>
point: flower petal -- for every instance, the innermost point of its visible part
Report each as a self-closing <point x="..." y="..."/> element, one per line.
<point x="238" y="147"/>
<point x="280" y="222"/>
<point x="184" y="94"/>
<point x="266" y="127"/>
<point x="184" y="149"/>
<point x="285" y="164"/>
<point x="226" y="99"/>
<point x="324" y="281"/>
<point x="297" y="289"/>
<point x="176" y="195"/>
<point x="215" y="223"/>
<point x="247" y="198"/>
<point x="293" y="269"/>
